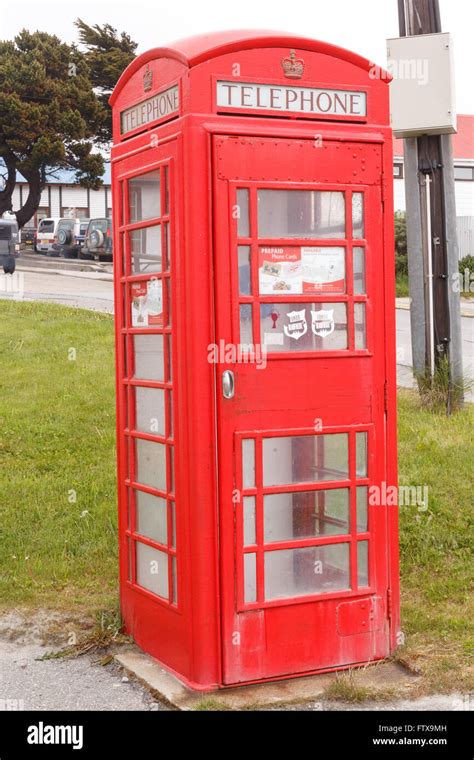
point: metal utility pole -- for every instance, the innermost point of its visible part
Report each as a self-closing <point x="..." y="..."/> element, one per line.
<point x="431" y="228"/>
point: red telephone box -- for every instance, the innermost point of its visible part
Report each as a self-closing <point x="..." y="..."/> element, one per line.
<point x="255" y="323"/>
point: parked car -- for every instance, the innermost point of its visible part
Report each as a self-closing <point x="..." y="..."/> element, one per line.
<point x="9" y="244"/>
<point x="28" y="236"/>
<point x="45" y="235"/>
<point x="98" y="240"/>
<point x="69" y="237"/>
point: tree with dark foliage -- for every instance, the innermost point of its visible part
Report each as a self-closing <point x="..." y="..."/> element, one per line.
<point x="54" y="108"/>
<point x="49" y="117"/>
<point x="108" y="55"/>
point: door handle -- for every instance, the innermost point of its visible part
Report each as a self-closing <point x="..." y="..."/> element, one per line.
<point x="228" y="384"/>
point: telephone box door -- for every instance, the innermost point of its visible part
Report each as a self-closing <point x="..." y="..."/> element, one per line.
<point x="300" y="375"/>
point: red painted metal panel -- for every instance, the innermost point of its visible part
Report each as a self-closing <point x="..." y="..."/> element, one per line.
<point x="349" y="395"/>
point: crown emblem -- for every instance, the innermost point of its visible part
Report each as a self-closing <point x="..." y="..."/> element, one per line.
<point x="147" y="78"/>
<point x="293" y="67"/>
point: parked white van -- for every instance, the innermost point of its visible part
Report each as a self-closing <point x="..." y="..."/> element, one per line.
<point x="46" y="233"/>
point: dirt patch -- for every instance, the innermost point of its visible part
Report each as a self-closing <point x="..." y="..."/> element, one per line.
<point x="44" y="627"/>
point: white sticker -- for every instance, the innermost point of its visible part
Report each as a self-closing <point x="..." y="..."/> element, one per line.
<point x="297" y="326"/>
<point x="322" y="322"/>
<point x="273" y="339"/>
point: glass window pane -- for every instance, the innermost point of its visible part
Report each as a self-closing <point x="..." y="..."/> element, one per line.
<point x="150" y="410"/>
<point x="144" y="196"/>
<point x="301" y="214"/>
<point x="362" y="493"/>
<point x="167" y="188"/>
<point x="305" y="459"/>
<point x="171" y="483"/>
<point x="169" y="412"/>
<point x="304" y="327"/>
<point x="250" y="578"/>
<point x="152" y="569"/>
<point x="246" y="325"/>
<point x="174" y="570"/>
<point x="169" y="345"/>
<point x="150" y="463"/>
<point x="248" y="462"/>
<point x="169" y="302"/>
<point x="130" y="558"/>
<point x="151" y="516"/>
<point x="361" y="455"/>
<point x="359" y="271"/>
<point x="126" y="363"/>
<point x="363" y="563"/>
<point x="166" y="249"/>
<point x="173" y="525"/>
<point x="249" y="520"/>
<point x="245" y="284"/>
<point x="360" y="326"/>
<point x="357" y="215"/>
<point x="311" y="570"/>
<point x="148" y="350"/>
<point x="306" y="514"/>
<point x="123" y="255"/>
<point x="145" y="248"/>
<point x="243" y="220"/>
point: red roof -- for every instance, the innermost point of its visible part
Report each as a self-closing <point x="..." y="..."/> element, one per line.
<point x="463" y="140"/>
<point x="201" y="47"/>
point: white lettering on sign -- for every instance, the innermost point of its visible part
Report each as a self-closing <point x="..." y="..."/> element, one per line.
<point x="164" y="104"/>
<point x="268" y="97"/>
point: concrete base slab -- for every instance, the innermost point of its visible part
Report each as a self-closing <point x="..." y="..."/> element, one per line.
<point x="379" y="677"/>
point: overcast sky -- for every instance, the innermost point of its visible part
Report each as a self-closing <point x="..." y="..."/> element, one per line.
<point x="359" y="25"/>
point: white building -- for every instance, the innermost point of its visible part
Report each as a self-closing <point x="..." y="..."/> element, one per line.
<point x="62" y="197"/>
<point x="463" y="151"/>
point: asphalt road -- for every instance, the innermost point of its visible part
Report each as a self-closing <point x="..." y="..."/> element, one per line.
<point x="82" y="285"/>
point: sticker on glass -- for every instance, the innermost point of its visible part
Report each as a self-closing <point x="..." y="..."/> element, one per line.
<point x="323" y="270"/>
<point x="297" y="326"/>
<point x="279" y="270"/>
<point x="273" y="339"/>
<point x="322" y="323"/>
<point x="147" y="303"/>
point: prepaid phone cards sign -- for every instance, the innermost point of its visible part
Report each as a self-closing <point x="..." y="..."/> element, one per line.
<point x="301" y="270"/>
<point x="147" y="303"/>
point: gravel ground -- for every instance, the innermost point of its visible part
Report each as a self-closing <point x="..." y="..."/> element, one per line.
<point x="80" y="683"/>
<point x="66" y="684"/>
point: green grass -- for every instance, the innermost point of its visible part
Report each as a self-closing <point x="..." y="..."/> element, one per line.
<point x="402" y="286"/>
<point x="436" y="544"/>
<point x="58" y="433"/>
<point x="346" y="689"/>
<point x="57" y="437"/>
